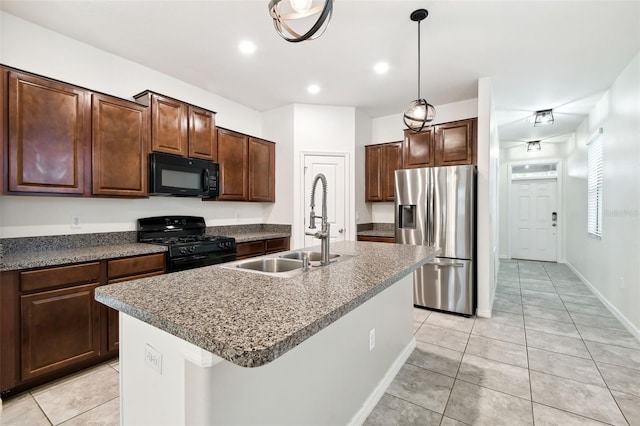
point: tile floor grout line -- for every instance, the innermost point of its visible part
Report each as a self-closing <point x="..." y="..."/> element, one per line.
<point x="40" y="407"/>
<point x="84" y="412"/>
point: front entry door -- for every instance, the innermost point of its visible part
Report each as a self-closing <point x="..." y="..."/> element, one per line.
<point x="534" y="214"/>
<point x="333" y="167"/>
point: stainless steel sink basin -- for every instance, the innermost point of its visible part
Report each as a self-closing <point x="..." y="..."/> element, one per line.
<point x="314" y="256"/>
<point x="273" y="265"/>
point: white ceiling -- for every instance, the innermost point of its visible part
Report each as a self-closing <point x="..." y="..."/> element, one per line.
<point x="539" y="54"/>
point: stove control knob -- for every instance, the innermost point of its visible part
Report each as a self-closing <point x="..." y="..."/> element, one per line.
<point x="221" y="245"/>
<point x="183" y="250"/>
<point x="192" y="249"/>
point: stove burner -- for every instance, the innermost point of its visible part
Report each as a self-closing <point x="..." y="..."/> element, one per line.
<point x="188" y="246"/>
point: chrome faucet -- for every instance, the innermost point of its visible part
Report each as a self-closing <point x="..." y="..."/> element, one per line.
<point x="324" y="233"/>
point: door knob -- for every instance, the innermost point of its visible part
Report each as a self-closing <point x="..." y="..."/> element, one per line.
<point x="341" y="230"/>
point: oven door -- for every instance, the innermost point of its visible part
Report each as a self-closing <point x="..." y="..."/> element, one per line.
<point x="198" y="261"/>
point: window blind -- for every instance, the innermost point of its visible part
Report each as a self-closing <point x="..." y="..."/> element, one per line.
<point x="594" y="186"/>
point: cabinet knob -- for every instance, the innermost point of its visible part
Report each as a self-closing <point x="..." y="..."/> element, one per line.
<point x="341" y="230"/>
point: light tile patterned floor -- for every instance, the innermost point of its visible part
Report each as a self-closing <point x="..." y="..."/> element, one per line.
<point x="552" y="354"/>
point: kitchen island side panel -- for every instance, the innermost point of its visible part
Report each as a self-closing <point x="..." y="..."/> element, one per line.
<point x="331" y="378"/>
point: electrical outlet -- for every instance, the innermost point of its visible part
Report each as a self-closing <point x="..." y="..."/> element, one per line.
<point x="75" y="222"/>
<point x="153" y="358"/>
<point x="372" y="339"/>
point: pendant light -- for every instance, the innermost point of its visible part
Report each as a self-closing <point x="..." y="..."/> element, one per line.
<point x="300" y="20"/>
<point x="420" y="113"/>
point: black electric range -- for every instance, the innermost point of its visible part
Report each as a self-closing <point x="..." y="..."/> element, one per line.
<point x="188" y="246"/>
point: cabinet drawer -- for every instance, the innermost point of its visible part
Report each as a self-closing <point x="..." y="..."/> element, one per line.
<point x="135" y="277"/>
<point x="277" y="244"/>
<point x="135" y="265"/>
<point x="57" y="277"/>
<point x="252" y="248"/>
<point x="377" y="239"/>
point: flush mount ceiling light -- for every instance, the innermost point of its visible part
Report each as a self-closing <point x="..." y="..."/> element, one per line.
<point x="543" y="118"/>
<point x="313" y="89"/>
<point x="533" y="146"/>
<point x="247" y="47"/>
<point x="300" y="20"/>
<point x="419" y="113"/>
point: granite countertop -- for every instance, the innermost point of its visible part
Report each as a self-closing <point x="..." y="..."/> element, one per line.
<point x="38" y="259"/>
<point x="256" y="236"/>
<point x="251" y="319"/>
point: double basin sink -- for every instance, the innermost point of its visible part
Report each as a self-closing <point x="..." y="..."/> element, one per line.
<point x="285" y="265"/>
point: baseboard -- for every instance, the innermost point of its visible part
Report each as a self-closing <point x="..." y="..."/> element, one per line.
<point x="378" y="392"/>
<point x="616" y="313"/>
<point x="483" y="313"/>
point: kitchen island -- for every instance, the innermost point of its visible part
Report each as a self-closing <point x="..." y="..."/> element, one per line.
<point x="323" y="344"/>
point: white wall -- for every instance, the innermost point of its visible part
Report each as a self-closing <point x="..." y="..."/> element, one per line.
<point x="38" y="50"/>
<point x="322" y="129"/>
<point x="603" y="263"/>
<point x="487" y="259"/>
<point x="363" y="137"/>
<point x="390" y="129"/>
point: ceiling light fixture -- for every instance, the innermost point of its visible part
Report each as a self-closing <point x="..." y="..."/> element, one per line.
<point x="419" y="113"/>
<point x="313" y="89"/>
<point x="543" y="118"/>
<point x="381" y="68"/>
<point x="290" y="17"/>
<point x="533" y="146"/>
<point x="247" y="47"/>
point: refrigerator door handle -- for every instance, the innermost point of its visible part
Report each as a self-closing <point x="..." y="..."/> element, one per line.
<point x="449" y="265"/>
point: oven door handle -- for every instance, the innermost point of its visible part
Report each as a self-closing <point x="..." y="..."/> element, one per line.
<point x="190" y="258"/>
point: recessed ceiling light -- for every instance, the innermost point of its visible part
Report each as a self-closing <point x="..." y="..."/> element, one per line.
<point x="381" y="67"/>
<point x="247" y="47"/>
<point x="313" y="89"/>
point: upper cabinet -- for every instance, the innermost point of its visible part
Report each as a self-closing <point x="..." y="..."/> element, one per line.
<point x="262" y="170"/>
<point x="456" y="143"/>
<point x="233" y="156"/>
<point x="179" y="128"/>
<point x="247" y="167"/>
<point x="49" y="136"/>
<point x="381" y="162"/>
<point x="418" y="149"/>
<point x="447" y="144"/>
<point x="120" y="147"/>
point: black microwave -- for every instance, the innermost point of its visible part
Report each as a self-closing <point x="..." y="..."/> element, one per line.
<point x="187" y="177"/>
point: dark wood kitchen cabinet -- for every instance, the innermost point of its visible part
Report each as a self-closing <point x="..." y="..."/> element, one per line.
<point x="49" y="136"/>
<point x="179" y="128"/>
<point x="262" y="173"/>
<point x="456" y="143"/>
<point x="120" y="147"/>
<point x="261" y="247"/>
<point x="50" y="323"/>
<point x="381" y="162"/>
<point x="447" y="144"/>
<point x="247" y="167"/>
<point x="60" y="320"/>
<point x="419" y="149"/>
<point x="126" y="269"/>
<point x="233" y="156"/>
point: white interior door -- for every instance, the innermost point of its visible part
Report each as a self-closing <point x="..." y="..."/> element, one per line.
<point x="533" y="207"/>
<point x="333" y="167"/>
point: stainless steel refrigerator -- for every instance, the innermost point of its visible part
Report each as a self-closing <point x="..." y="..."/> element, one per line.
<point x="436" y="206"/>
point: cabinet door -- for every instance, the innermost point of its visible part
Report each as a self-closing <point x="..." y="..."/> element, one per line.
<point x="373" y="172"/>
<point x="418" y="150"/>
<point x="392" y="161"/>
<point x="262" y="173"/>
<point x="168" y="125"/>
<point x="203" y="138"/>
<point x="233" y="156"/>
<point x="456" y="143"/>
<point x="120" y="147"/>
<point x="49" y="136"/>
<point x="59" y="329"/>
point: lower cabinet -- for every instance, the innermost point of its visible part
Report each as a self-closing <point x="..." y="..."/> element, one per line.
<point x="58" y="328"/>
<point x="261" y="247"/>
<point x="377" y="239"/>
<point x="50" y="323"/>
